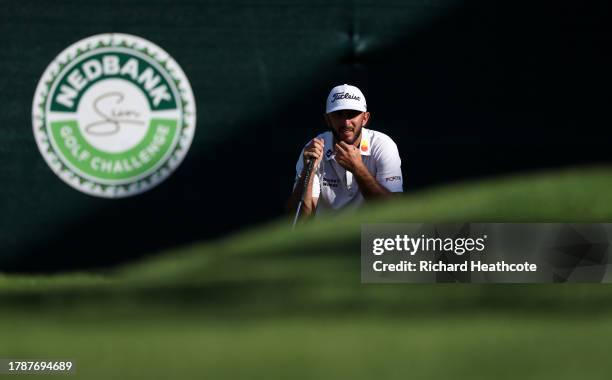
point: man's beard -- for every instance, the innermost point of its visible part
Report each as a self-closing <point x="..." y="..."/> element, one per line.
<point x="354" y="139"/>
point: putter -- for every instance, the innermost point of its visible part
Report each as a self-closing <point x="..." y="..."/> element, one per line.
<point x="306" y="180"/>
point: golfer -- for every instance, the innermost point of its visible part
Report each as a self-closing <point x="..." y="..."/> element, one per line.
<point x="352" y="164"/>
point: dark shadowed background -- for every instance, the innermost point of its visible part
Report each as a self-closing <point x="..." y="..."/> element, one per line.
<point x="467" y="89"/>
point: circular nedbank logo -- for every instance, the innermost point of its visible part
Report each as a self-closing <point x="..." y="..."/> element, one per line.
<point x="113" y="115"/>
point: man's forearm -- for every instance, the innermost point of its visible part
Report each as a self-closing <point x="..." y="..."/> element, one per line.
<point x="308" y="204"/>
<point x="369" y="186"/>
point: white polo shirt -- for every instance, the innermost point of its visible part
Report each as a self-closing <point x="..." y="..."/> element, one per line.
<point x="336" y="188"/>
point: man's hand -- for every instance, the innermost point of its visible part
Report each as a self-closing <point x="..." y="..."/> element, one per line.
<point x="348" y="156"/>
<point x="314" y="150"/>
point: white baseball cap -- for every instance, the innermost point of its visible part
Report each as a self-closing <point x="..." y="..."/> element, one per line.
<point x="345" y="97"/>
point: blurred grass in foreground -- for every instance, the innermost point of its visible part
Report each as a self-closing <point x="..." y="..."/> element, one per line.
<point x="270" y="302"/>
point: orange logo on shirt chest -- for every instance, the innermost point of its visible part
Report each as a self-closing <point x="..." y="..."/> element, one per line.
<point x="364" y="146"/>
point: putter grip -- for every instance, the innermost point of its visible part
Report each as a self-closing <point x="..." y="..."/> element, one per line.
<point x="307" y="176"/>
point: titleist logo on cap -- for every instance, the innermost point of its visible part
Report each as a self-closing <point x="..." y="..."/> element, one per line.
<point x="348" y="98"/>
<point x="344" y="95"/>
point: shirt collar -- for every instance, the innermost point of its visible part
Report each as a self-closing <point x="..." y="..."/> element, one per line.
<point x="364" y="146"/>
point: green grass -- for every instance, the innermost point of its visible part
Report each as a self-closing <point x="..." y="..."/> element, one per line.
<point x="478" y="346"/>
<point x="274" y="303"/>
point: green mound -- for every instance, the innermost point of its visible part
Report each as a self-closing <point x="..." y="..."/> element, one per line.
<point x="272" y="302"/>
<point x="577" y="195"/>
